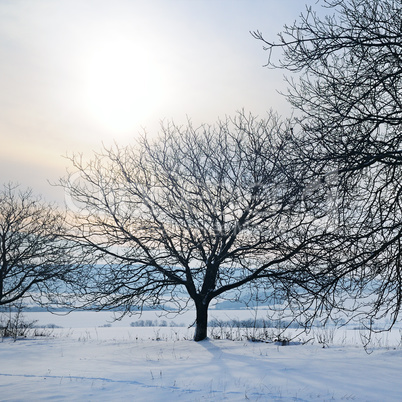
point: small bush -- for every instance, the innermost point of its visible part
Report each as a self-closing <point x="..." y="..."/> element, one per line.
<point x="14" y="325"/>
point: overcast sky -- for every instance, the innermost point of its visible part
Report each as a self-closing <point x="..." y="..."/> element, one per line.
<point x="76" y="73"/>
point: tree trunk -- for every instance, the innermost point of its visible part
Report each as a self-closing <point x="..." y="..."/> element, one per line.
<point x="201" y="322"/>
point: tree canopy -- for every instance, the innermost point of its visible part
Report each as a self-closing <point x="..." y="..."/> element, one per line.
<point x="34" y="257"/>
<point x="197" y="211"/>
<point x="346" y="84"/>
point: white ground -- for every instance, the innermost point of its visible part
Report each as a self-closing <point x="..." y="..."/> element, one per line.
<point x="122" y="363"/>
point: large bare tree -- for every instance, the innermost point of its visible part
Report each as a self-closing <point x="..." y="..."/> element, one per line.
<point x="196" y="211"/>
<point x="347" y="88"/>
<point x="34" y="258"/>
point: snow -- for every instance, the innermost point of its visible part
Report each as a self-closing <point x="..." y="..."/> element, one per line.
<point x="120" y="363"/>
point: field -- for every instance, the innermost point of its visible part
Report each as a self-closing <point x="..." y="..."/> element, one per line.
<point x="93" y="359"/>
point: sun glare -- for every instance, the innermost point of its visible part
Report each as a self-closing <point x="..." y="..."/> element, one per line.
<point x="122" y="85"/>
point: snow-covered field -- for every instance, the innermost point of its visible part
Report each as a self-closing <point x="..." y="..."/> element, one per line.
<point x="85" y="361"/>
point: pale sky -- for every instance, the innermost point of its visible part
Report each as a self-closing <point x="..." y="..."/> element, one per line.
<point x="76" y="73"/>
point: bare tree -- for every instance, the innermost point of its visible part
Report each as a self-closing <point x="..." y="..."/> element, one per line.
<point x="33" y="256"/>
<point x="348" y="86"/>
<point x="200" y="212"/>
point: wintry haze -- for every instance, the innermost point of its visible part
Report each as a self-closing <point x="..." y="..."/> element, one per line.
<point x="75" y="74"/>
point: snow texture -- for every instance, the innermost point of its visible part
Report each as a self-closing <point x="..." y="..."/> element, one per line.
<point x="122" y="363"/>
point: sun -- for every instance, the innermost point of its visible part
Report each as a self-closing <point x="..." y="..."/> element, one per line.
<point x="122" y="84"/>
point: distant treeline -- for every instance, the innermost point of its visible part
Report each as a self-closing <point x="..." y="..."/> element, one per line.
<point x="155" y="323"/>
<point x="215" y="323"/>
<point x="253" y="323"/>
